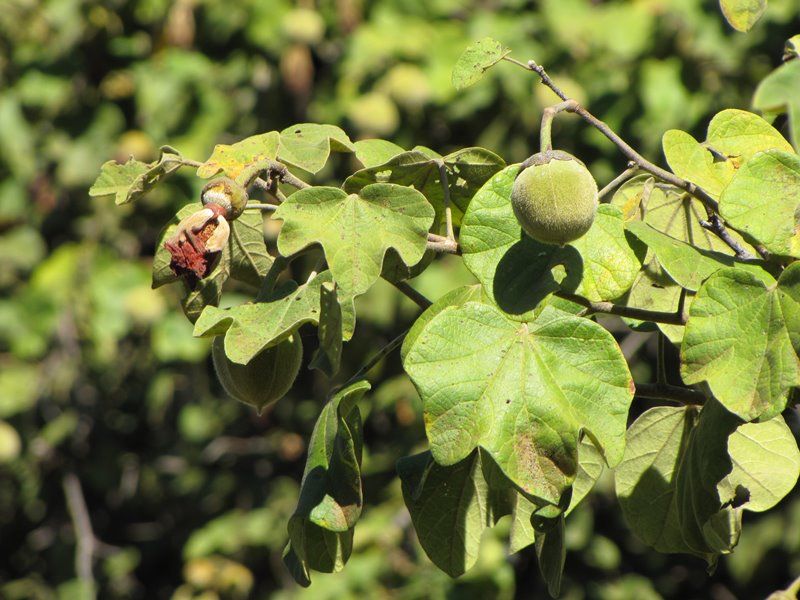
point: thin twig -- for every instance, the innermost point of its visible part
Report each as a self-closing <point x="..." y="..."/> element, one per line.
<point x="438" y="243"/>
<point x="619" y="180"/>
<point x="412" y="294"/>
<point x="263" y="207"/>
<point x="669" y="318"/>
<point x="661" y="367"/>
<point x="378" y="357"/>
<point x="623" y="146"/>
<point x="663" y="391"/>
<point x="85" y="542"/>
<point x="448" y="212"/>
<point x="714" y="224"/>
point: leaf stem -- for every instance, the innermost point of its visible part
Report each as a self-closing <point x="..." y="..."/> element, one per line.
<point x="413" y="294"/>
<point x="376" y="358"/>
<point x="661" y="369"/>
<point x="632" y="170"/>
<point x="438" y="243"/>
<point x="448" y="212"/>
<point x="714" y="224"/>
<point x="546" y="128"/>
<point x="663" y="391"/>
<point x="669" y="318"/>
<point x="260" y="206"/>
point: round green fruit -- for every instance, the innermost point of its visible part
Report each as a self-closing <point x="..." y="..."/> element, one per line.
<point x="266" y="378"/>
<point x="554" y="197"/>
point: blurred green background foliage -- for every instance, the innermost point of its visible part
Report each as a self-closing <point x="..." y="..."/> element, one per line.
<point x="188" y="492"/>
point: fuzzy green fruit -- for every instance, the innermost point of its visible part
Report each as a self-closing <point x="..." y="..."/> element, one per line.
<point x="554" y="197"/>
<point x="266" y="378"/>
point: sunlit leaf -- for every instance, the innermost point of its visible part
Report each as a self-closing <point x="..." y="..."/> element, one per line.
<point x="763" y="201"/>
<point x="234" y="158"/>
<point x="742" y="340"/>
<point x="308" y="145"/>
<point x="521" y="391"/>
<point x="743" y="14"/>
<point x="356" y="230"/>
<point x="474" y="61"/>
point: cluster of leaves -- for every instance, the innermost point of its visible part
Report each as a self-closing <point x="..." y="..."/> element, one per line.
<point x="98" y="376"/>
<point x="514" y="373"/>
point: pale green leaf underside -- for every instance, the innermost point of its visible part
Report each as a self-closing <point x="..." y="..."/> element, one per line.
<point x="645" y="479"/>
<point x="234" y="158"/>
<point x="763" y="200"/>
<point x="671" y="211"/>
<point x="467" y="170"/>
<point x="517" y="272"/>
<point x="131" y="180"/>
<point x="687" y="265"/>
<point x="308" y="145"/>
<point x="356" y="230"/>
<point x="474" y="61"/>
<point x="742" y="338"/>
<point x="766" y="464"/>
<point x="328" y="355"/>
<point x="449" y="506"/>
<point x="521" y="391"/>
<point x="374" y="152"/>
<point x="743" y="14"/>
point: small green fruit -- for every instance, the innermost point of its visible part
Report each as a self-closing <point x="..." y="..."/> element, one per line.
<point x="266" y="378"/>
<point x="228" y="194"/>
<point x="554" y="197"/>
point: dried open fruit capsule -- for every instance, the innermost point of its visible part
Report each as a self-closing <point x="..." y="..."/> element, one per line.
<point x="554" y="197"/>
<point x="226" y="193"/>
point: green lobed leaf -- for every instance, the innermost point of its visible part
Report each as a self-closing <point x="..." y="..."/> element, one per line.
<point x="467" y="170"/>
<point x="321" y="528"/>
<point x="687" y="265"/>
<point x="521" y="391"/>
<point x="474" y="61"/>
<point x="517" y="272"/>
<point x="250" y="328"/>
<point x="117" y="180"/>
<point x="456" y="297"/>
<point x="743" y="14"/>
<point x="308" y="145"/>
<point x="779" y="92"/>
<point x="374" y="152"/>
<point x="328" y="355"/>
<point x="742" y="339"/>
<point x="763" y="201"/>
<point x="356" y="230"/>
<point x="234" y="158"/>
<point x="450" y="507"/>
